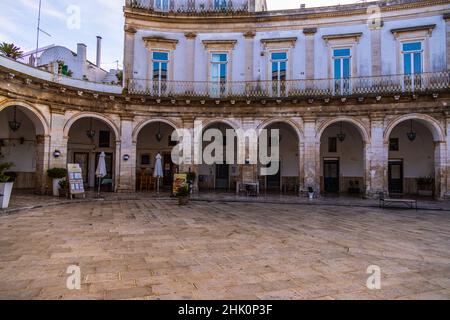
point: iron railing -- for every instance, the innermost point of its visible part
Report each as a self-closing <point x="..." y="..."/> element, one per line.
<point x="190" y="7"/>
<point x="393" y="84"/>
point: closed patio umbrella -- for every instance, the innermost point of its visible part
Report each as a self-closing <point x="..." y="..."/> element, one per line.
<point x="101" y="170"/>
<point x="158" y="173"/>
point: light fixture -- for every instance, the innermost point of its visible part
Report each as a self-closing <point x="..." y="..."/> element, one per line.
<point x="341" y="134"/>
<point x="126" y="157"/>
<point x="411" y="134"/>
<point x="56" y="153"/>
<point x="14" y="125"/>
<point x="91" y="132"/>
<point x="159" y="135"/>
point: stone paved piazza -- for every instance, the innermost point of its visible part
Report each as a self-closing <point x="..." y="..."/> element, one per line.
<point x="155" y="249"/>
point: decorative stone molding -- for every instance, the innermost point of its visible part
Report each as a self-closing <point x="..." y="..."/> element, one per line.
<point x="160" y="43"/>
<point x="190" y="35"/>
<point x="129" y="29"/>
<point x="219" y="44"/>
<point x="428" y="29"/>
<point x="353" y="37"/>
<point x="279" y="42"/>
<point x="249" y="34"/>
<point x="309" y="31"/>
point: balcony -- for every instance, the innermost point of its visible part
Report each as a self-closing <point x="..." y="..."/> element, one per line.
<point x="189" y="6"/>
<point x="318" y="88"/>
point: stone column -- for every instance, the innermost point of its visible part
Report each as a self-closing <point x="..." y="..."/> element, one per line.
<point x="190" y="55"/>
<point x="249" y="50"/>
<point x="42" y="161"/>
<point x="376" y="155"/>
<point x="440" y="169"/>
<point x="188" y="123"/>
<point x="126" y="171"/>
<point x="309" y="52"/>
<point x="311" y="155"/>
<point x="128" y="58"/>
<point x="58" y="141"/>
<point x="447" y="37"/>
<point x="446" y="167"/>
<point x="375" y="42"/>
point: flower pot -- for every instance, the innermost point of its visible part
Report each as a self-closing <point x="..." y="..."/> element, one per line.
<point x="182" y="201"/>
<point x="5" y="193"/>
<point x="56" y="187"/>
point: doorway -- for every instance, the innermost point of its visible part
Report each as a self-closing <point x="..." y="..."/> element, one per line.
<point x="395" y="176"/>
<point x="331" y="176"/>
<point x="222" y="176"/>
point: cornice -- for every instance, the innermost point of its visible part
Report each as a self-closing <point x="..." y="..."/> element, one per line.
<point x="429" y="28"/>
<point x="354" y="36"/>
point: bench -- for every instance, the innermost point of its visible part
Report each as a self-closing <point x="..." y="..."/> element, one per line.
<point x="386" y="202"/>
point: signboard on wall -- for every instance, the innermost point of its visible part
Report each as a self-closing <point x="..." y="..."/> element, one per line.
<point x="75" y="179"/>
<point x="179" y="180"/>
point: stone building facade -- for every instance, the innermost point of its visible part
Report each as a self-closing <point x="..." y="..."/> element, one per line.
<point x="359" y="94"/>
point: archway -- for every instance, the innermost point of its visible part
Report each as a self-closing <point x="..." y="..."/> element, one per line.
<point x="154" y="137"/>
<point x="414" y="156"/>
<point x="88" y="136"/>
<point x="219" y="175"/>
<point x="24" y="143"/>
<point x="342" y="157"/>
<point x="287" y="179"/>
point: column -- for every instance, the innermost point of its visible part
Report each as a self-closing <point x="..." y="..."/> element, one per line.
<point x="440" y="169"/>
<point x="309" y="52"/>
<point x="376" y="155"/>
<point x="190" y="55"/>
<point x="126" y="157"/>
<point x="311" y="155"/>
<point x="58" y="142"/>
<point x="249" y="50"/>
<point x="128" y="58"/>
<point x="42" y="161"/>
<point x="447" y="38"/>
<point x="188" y="123"/>
<point x="446" y="163"/>
<point x="375" y="42"/>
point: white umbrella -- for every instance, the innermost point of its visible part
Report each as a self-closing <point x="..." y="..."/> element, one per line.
<point x="158" y="172"/>
<point x="101" y="170"/>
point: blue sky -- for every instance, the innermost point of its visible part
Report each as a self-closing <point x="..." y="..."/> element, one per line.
<point x="97" y="17"/>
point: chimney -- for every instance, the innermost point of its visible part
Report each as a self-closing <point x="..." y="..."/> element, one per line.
<point x="81" y="52"/>
<point x="99" y="51"/>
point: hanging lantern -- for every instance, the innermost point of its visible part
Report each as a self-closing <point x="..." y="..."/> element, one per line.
<point x="91" y="132"/>
<point x="411" y="134"/>
<point x="341" y="134"/>
<point x="159" y="135"/>
<point x="14" y="125"/>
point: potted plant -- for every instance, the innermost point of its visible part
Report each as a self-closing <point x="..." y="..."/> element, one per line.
<point x="311" y="193"/>
<point x="183" y="195"/>
<point x="63" y="188"/>
<point x="6" y="185"/>
<point x="57" y="174"/>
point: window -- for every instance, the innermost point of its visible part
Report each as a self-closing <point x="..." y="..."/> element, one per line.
<point x="220" y="4"/>
<point x="219" y="65"/>
<point x="332" y="144"/>
<point x="104" y="139"/>
<point x="160" y="65"/>
<point x="278" y="61"/>
<point x="393" y="144"/>
<point x="162" y="5"/>
<point x="412" y="58"/>
<point x="341" y="59"/>
<point x="145" y="159"/>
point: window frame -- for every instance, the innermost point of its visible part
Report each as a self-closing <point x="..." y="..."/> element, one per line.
<point x="411" y="53"/>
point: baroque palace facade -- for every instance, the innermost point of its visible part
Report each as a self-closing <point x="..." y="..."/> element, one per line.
<point x="360" y="94"/>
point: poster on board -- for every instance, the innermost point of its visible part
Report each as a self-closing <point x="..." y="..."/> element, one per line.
<point x="75" y="179"/>
<point x="179" y="179"/>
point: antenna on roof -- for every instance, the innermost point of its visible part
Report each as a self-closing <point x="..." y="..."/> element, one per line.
<point x="38" y="32"/>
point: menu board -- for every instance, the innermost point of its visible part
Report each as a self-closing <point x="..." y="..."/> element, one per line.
<point x="179" y="180"/>
<point x="75" y="178"/>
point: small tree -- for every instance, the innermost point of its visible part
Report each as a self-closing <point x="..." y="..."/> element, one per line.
<point x="119" y="76"/>
<point x="10" y="50"/>
<point x="3" y="168"/>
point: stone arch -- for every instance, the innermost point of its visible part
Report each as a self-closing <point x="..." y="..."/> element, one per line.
<point x="230" y="123"/>
<point x="356" y="122"/>
<point x="98" y="116"/>
<point x="146" y="122"/>
<point x="429" y="122"/>
<point x="298" y="130"/>
<point x="40" y="123"/>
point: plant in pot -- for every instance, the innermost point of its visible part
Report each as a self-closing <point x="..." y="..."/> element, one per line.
<point x="63" y="188"/>
<point x="6" y="185"/>
<point x="425" y="186"/>
<point x="56" y="174"/>
<point x="183" y="195"/>
<point x="310" y="193"/>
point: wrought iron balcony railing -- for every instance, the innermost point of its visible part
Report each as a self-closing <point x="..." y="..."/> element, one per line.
<point x="393" y="84"/>
<point x="190" y="7"/>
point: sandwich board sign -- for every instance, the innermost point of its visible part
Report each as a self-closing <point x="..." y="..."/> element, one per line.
<point x="75" y="179"/>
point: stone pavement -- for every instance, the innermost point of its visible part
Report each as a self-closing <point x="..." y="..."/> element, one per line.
<point x="154" y="249"/>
